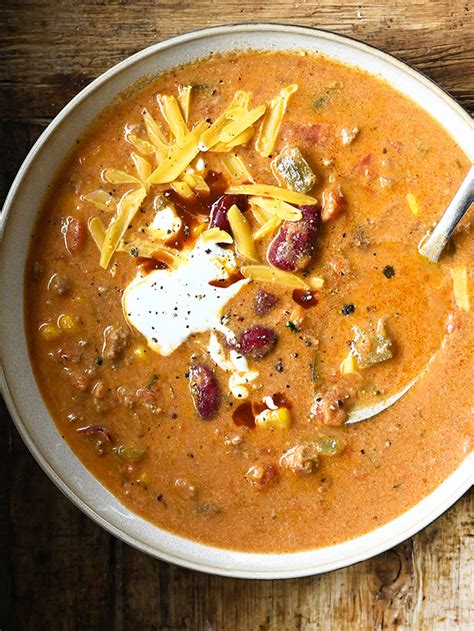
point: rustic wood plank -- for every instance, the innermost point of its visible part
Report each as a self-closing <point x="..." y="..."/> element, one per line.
<point x="63" y="571"/>
<point x="423" y="583"/>
<point x="62" y="576"/>
<point x="5" y="568"/>
<point x="50" y="51"/>
<point x="61" y="564"/>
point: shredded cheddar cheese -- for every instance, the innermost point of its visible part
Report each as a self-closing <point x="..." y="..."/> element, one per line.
<point x="216" y="235"/>
<point x="236" y="168"/>
<point x="184" y="100"/>
<point x="272" y="121"/>
<point x="211" y="135"/>
<point x="233" y="129"/>
<point x="116" y="176"/>
<point x="174" y="159"/>
<point x="267" y="274"/>
<point x="126" y="210"/>
<point x="260" y="215"/>
<point x="100" y="199"/>
<point x="242" y="232"/>
<point x="183" y="189"/>
<point x="180" y="155"/>
<point x="241" y="139"/>
<point x="275" y="192"/>
<point x="155" y="135"/>
<point x="97" y="231"/>
<point x="172" y="114"/>
<point x="142" y="166"/>
<point x="277" y="208"/>
<point x="196" y="182"/>
<point x="267" y="228"/>
<point x="142" y="146"/>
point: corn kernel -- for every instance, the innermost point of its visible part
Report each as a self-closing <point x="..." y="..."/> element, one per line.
<point x="460" y="287"/>
<point x="67" y="323"/>
<point x="143" y="481"/>
<point x="315" y="282"/>
<point x="140" y="352"/>
<point x="348" y="365"/>
<point x="297" y="316"/>
<point x="413" y="204"/>
<point x="274" y="419"/>
<point x="49" y="331"/>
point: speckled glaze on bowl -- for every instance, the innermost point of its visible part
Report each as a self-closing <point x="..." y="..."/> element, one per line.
<point x="20" y="389"/>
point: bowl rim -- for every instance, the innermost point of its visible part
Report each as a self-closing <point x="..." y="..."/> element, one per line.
<point x="454" y="486"/>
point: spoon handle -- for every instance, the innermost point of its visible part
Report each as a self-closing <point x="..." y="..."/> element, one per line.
<point x="432" y="246"/>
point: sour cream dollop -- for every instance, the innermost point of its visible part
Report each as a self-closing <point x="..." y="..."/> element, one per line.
<point x="167" y="306"/>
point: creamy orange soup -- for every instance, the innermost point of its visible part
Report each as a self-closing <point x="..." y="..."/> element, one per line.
<point x="225" y="270"/>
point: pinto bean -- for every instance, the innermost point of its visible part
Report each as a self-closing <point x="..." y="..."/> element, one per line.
<point x="76" y="235"/>
<point x="293" y="247"/>
<point x="334" y="204"/>
<point x="264" y="302"/>
<point x="262" y="475"/>
<point x="205" y="391"/>
<point x="257" y="341"/>
<point x="220" y="208"/>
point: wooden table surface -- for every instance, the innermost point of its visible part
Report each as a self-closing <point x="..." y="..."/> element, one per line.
<point x="59" y="569"/>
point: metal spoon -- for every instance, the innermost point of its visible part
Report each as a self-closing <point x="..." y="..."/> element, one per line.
<point x="362" y="414"/>
<point x="431" y="247"/>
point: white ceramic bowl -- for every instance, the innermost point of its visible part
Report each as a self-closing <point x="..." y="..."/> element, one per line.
<point x="20" y="390"/>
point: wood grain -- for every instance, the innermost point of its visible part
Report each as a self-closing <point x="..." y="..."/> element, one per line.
<point x="51" y="51"/>
<point x="59" y="570"/>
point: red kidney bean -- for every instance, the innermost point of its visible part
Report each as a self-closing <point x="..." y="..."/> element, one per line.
<point x="220" y="208"/>
<point x="205" y="390"/>
<point x="257" y="341"/>
<point x="293" y="247"/>
<point x="264" y="302"/>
